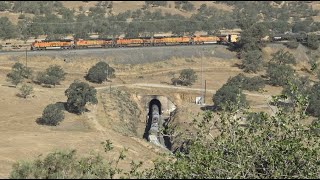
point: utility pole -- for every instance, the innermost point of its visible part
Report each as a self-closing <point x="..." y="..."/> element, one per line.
<point x="26" y="57"/>
<point x="205" y="91"/>
<point x="202" y="96"/>
<point x="110" y="90"/>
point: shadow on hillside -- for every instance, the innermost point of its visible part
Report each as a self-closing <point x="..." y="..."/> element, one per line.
<point x="209" y="108"/>
<point x="11" y="86"/>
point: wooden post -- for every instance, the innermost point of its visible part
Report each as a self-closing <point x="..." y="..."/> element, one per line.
<point x="205" y="91"/>
<point x="26" y="58"/>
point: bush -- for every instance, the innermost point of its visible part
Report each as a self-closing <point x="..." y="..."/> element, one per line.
<point x="279" y="74"/>
<point x="21" y="16"/>
<point x="312" y="41"/>
<point x="256" y="118"/>
<point x="52" y="76"/>
<point x="52" y="115"/>
<point x="188" y="77"/>
<point x="301" y="86"/>
<point x="251" y="84"/>
<point x="100" y="72"/>
<point x="281" y="58"/>
<point x="252" y="61"/>
<point x="18" y="73"/>
<point x="292" y="44"/>
<point x="63" y="165"/>
<point x="14" y="77"/>
<point x="188" y="6"/>
<point x="26" y="90"/>
<point x="79" y="94"/>
<point x="176" y="81"/>
<point x="229" y="95"/>
<point x="315" y="127"/>
<point x="314" y="100"/>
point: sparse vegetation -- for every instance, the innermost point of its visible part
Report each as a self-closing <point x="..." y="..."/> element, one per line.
<point x="246" y="83"/>
<point x="229" y="95"/>
<point x="279" y="74"/>
<point x="279" y="70"/>
<point x="18" y="73"/>
<point x="187" y="77"/>
<point x="26" y="90"/>
<point x="312" y="41"/>
<point x="314" y="99"/>
<point x="281" y="57"/>
<point x="253" y="61"/>
<point x="52" y="115"/>
<point x="66" y="165"/>
<point x="292" y="44"/>
<point x="52" y="76"/>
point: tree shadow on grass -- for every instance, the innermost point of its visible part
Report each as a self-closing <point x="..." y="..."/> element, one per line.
<point x="11" y="86"/>
<point x="238" y="65"/>
<point x="213" y="108"/>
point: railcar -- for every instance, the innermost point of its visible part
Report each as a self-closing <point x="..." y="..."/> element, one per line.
<point x="81" y="43"/>
<point x="205" y="39"/>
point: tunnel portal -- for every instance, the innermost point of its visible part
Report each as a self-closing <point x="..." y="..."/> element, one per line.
<point x="149" y="120"/>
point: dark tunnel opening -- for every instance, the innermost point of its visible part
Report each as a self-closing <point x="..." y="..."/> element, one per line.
<point x="149" y="121"/>
<point x="166" y="141"/>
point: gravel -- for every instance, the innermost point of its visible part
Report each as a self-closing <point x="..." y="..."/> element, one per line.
<point x="137" y="55"/>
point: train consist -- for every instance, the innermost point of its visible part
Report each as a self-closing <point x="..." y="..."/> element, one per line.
<point x="155" y="118"/>
<point x="132" y="42"/>
<point x="299" y="37"/>
<point x="154" y="134"/>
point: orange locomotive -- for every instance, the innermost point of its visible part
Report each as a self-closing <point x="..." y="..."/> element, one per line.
<point x="80" y="43"/>
<point x="59" y="44"/>
<point x="127" y="42"/>
<point x="205" y="39"/>
<point x="160" y="41"/>
<point x="123" y="42"/>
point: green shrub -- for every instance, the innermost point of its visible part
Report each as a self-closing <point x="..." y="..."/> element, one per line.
<point x="229" y="95"/>
<point x="26" y="90"/>
<point x="253" y="61"/>
<point x="314" y="100"/>
<point x="302" y="85"/>
<point x="312" y="41"/>
<point x="256" y="118"/>
<point x="18" y="73"/>
<point x="79" y="94"/>
<point x="100" y="72"/>
<point x="188" y="77"/>
<point x="251" y="84"/>
<point x="315" y="127"/>
<point x="282" y="58"/>
<point x="52" y="115"/>
<point x="279" y="74"/>
<point x="292" y="44"/>
<point x="52" y="76"/>
<point x="62" y="165"/>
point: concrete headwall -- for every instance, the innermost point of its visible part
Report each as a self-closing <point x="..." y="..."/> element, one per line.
<point x="167" y="105"/>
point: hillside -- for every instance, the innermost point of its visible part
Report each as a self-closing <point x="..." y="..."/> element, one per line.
<point x="241" y="128"/>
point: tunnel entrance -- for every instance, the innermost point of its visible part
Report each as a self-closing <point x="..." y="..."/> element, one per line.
<point x="149" y="120"/>
<point x="158" y="116"/>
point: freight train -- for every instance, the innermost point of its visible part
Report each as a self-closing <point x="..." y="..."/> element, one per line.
<point x="299" y="37"/>
<point x="155" y="118"/>
<point x="154" y="134"/>
<point x="132" y="42"/>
